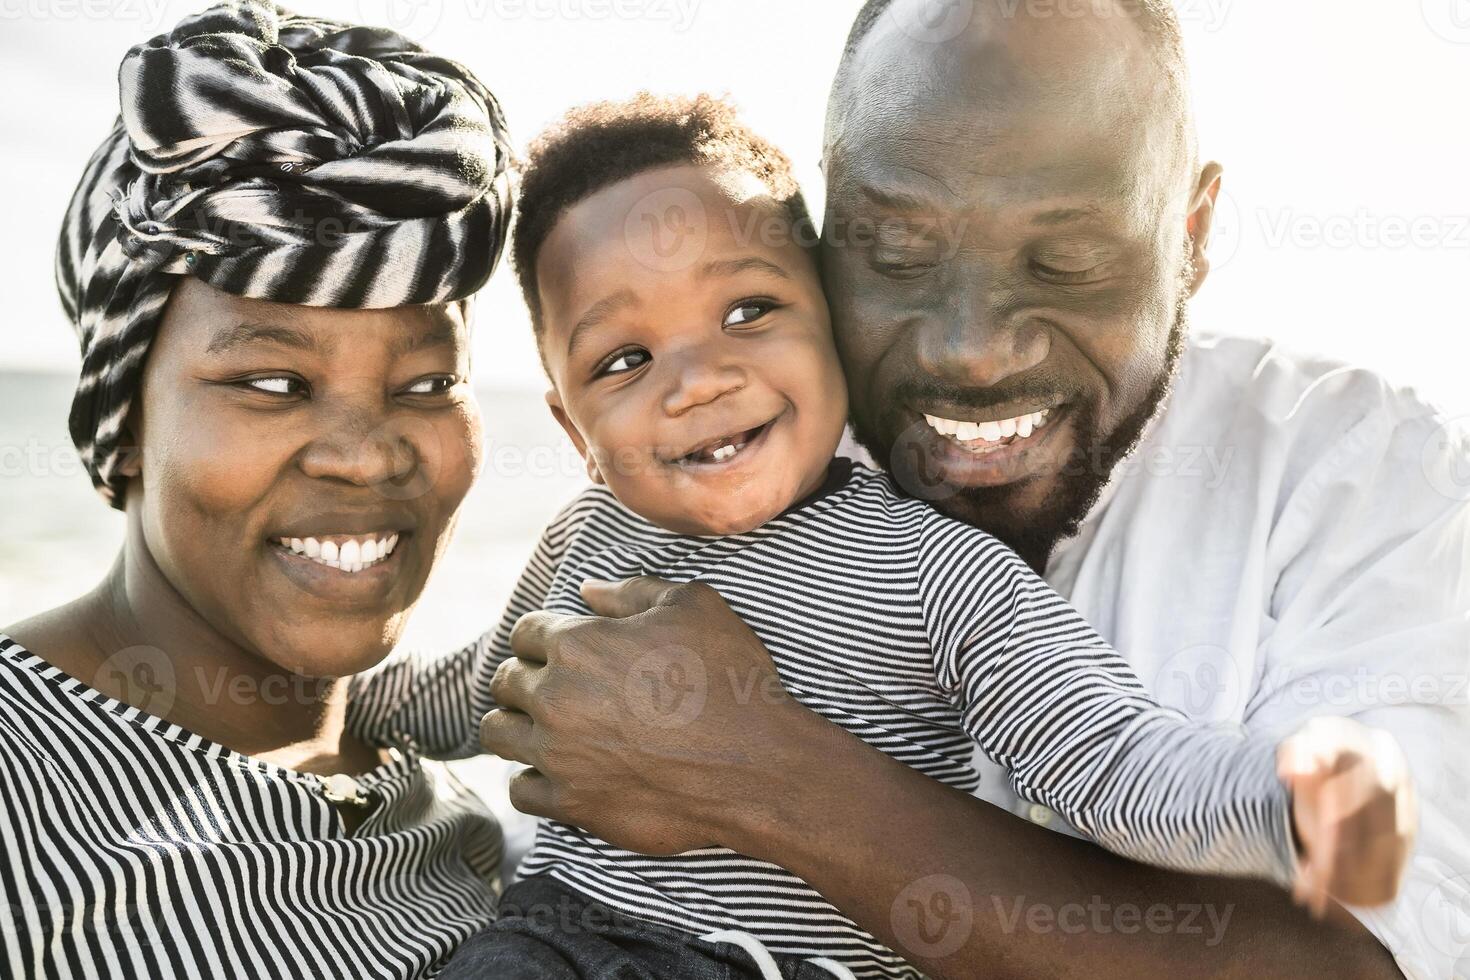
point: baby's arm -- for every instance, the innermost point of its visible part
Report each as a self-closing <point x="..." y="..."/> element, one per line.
<point x="1046" y="697"/>
<point x="437" y="700"/>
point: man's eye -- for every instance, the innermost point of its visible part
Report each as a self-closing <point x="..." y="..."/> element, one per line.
<point x="275" y="385"/>
<point x="902" y="270"/>
<point x="436" y="385"/>
<point x="625" y="361"/>
<point x="747" y="312"/>
<point x="1068" y="277"/>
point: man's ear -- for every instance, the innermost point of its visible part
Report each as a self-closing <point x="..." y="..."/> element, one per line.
<point x="1201" y="221"/>
<point x="559" y="412"/>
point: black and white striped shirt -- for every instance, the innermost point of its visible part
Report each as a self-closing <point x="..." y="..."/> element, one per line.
<point x="919" y="634"/>
<point x="130" y="847"/>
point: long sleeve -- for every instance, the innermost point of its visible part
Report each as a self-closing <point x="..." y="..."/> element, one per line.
<point x="1043" y="695"/>
<point x="437" y="700"/>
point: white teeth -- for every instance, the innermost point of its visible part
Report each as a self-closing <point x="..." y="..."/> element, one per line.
<point x="352" y="555"/>
<point x="724" y="452"/>
<point x="1022" y="426"/>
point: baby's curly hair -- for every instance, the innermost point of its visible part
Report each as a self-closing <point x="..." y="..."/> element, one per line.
<point x="598" y="145"/>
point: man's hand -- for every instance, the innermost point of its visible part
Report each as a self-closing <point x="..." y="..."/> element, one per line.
<point x="640" y="726"/>
<point x="1354" y="809"/>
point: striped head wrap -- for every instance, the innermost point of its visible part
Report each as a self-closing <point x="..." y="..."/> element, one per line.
<point x="281" y="158"/>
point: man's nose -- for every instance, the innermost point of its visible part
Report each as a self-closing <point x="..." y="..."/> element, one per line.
<point x="364" y="445"/>
<point x="980" y="335"/>
<point x="702" y="375"/>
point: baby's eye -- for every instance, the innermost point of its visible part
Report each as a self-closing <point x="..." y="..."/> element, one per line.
<point x="747" y="312"/>
<point x="278" y="385"/>
<point x="625" y="361"/>
<point x="436" y="385"/>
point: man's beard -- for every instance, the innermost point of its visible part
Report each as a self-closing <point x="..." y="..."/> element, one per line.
<point x="1085" y="474"/>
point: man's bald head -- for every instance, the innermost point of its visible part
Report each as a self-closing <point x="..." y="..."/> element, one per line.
<point x="945" y="30"/>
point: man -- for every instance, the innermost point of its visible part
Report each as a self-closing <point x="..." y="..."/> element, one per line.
<point x="1016" y="219"/>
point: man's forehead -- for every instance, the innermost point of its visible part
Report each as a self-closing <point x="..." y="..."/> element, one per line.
<point x="1013" y="93"/>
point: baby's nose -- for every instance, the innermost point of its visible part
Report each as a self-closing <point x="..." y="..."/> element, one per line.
<point x="700" y="380"/>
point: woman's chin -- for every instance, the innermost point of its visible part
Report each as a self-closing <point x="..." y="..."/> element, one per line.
<point x="325" y="653"/>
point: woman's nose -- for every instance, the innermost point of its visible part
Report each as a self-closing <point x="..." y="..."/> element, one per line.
<point x="363" y="447"/>
<point x="700" y="377"/>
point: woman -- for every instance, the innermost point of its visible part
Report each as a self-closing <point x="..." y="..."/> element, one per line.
<point x="269" y="262"/>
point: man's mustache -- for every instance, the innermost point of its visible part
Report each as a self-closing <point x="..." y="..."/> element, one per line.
<point x="1036" y="388"/>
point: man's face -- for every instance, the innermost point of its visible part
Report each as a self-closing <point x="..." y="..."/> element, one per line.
<point x="1006" y="257"/>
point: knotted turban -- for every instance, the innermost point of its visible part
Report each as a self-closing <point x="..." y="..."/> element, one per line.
<point x="275" y="157"/>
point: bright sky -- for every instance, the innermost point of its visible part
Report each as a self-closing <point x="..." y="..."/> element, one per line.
<point x="1342" y="127"/>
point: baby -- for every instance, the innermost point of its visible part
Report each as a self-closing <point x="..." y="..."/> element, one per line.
<point x="665" y="253"/>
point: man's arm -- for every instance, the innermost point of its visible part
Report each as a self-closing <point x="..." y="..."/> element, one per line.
<point x="961" y="888"/>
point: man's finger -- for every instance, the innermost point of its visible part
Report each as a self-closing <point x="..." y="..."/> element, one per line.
<point x="534" y="634"/>
<point x="509" y="735"/>
<point x="514" y="685"/>
<point x="531" y="792"/>
<point x="629" y="597"/>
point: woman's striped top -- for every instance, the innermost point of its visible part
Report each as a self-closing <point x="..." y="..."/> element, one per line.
<point x="924" y="637"/>
<point x="130" y="847"/>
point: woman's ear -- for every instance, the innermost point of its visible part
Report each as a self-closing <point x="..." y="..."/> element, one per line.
<point x="129" y="446"/>
<point x="559" y="412"/>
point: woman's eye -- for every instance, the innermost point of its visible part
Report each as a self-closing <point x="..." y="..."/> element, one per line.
<point x="276" y="385"/>
<point x="747" y="312"/>
<point x="626" y="361"/>
<point x="436" y="385"/>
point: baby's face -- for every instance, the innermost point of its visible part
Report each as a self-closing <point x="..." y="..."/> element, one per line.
<point x="688" y="340"/>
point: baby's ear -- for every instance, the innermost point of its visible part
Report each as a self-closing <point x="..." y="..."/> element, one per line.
<point x="559" y="412"/>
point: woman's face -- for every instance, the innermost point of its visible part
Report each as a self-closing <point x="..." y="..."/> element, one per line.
<point x="300" y="468"/>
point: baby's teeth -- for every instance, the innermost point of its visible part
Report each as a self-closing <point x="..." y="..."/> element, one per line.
<point x="329" y="551"/>
<point x="724" y="452"/>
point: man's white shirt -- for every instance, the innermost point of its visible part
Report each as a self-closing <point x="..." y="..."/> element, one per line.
<point x="1292" y="539"/>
